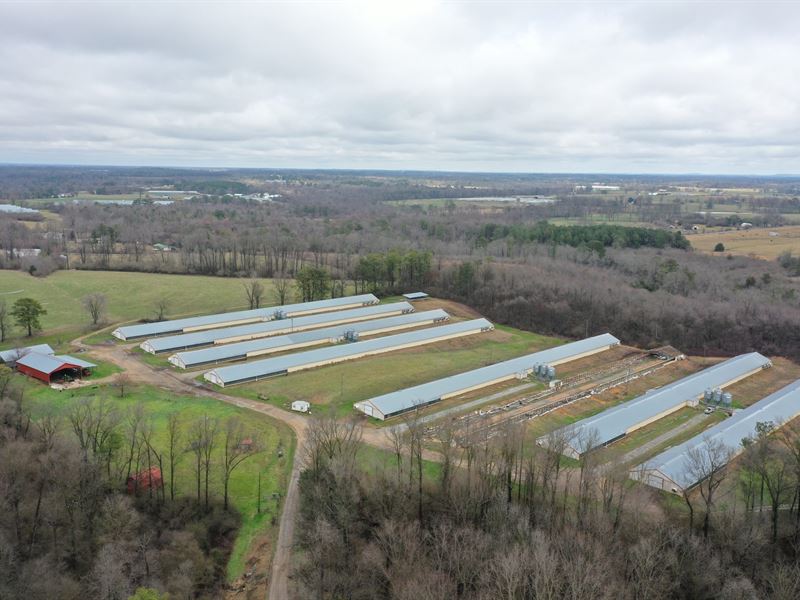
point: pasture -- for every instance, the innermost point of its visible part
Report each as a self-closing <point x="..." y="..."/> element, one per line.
<point x="767" y="244"/>
<point x="130" y="297"/>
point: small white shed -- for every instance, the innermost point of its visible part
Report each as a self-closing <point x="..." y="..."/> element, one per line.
<point x="301" y="406"/>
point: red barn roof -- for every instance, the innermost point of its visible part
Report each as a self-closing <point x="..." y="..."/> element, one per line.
<point x="144" y="480"/>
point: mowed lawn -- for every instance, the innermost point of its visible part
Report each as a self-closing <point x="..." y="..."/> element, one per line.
<point x="274" y="463"/>
<point x="130" y="296"/>
<point x="339" y="386"/>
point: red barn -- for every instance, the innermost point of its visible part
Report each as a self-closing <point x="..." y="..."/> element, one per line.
<point x="48" y="368"/>
<point x="145" y="480"/>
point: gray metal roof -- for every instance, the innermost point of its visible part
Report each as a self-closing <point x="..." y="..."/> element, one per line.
<point x="426" y="393"/>
<point x="14" y="209"/>
<point x="616" y="422"/>
<point x="129" y="332"/>
<point x="267" y="328"/>
<point x="281" y="364"/>
<point x="47" y="363"/>
<point x="75" y="361"/>
<point x="275" y="344"/>
<point x="14" y="353"/>
<point x="780" y="407"/>
<point x="415" y="295"/>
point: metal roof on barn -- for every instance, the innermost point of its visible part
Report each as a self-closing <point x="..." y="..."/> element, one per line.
<point x="618" y="421"/>
<point x="220" y="319"/>
<point x="265" y="329"/>
<point x="777" y="408"/>
<point x="50" y="364"/>
<point x="283" y="364"/>
<point x="14" y="353"/>
<point x="427" y="393"/>
<point x="233" y="351"/>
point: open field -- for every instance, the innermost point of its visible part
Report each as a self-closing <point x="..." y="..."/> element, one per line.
<point x="756" y="242"/>
<point x="339" y="386"/>
<point x="87" y="197"/>
<point x="130" y="296"/>
<point x="158" y="405"/>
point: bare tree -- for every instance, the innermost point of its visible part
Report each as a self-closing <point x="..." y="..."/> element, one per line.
<point x="238" y="447"/>
<point x="705" y="464"/>
<point x="254" y="290"/>
<point x="95" y="305"/>
<point x="173" y="453"/>
<point x="789" y="436"/>
<point x="776" y="472"/>
<point x="5" y="321"/>
<point x="122" y="382"/>
<point x="161" y="307"/>
<point x="201" y="443"/>
<point x="282" y="286"/>
<point x="148" y="438"/>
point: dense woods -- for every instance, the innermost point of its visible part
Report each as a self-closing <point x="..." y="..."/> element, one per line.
<point x="502" y="520"/>
<point x="85" y="511"/>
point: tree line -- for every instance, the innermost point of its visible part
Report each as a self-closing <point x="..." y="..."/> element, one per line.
<point x="502" y="518"/>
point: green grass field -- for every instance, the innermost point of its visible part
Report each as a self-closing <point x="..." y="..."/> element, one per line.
<point x="158" y="405"/>
<point x="338" y="386"/>
<point x="130" y="296"/>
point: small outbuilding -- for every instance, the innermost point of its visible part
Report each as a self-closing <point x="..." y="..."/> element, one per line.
<point x="50" y="368"/>
<point x="149" y="479"/>
<point x="411" y="296"/>
<point x="301" y="406"/>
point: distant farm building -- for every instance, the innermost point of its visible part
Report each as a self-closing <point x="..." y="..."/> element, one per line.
<point x="615" y="423"/>
<point x="283" y="365"/>
<point x="264" y="329"/>
<point x="396" y="403"/>
<point x="241" y="317"/>
<point x="346" y="332"/>
<point x="50" y="368"/>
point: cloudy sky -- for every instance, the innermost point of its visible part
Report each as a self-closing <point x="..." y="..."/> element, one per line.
<point x="518" y="86"/>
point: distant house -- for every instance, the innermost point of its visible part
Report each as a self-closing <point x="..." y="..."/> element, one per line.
<point x="26" y="252"/>
<point x="163" y="247"/>
<point x="746" y="225"/>
<point x="301" y="406"/>
<point x="145" y="480"/>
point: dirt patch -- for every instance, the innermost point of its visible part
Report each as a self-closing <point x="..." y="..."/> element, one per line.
<point x="454" y="309"/>
<point x="595" y="361"/>
<point x="253" y="583"/>
<point x="758" y="386"/>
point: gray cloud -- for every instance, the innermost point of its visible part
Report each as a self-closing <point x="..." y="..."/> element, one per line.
<point x="662" y="87"/>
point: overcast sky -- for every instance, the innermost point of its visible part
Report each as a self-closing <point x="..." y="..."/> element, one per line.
<point x="599" y="87"/>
